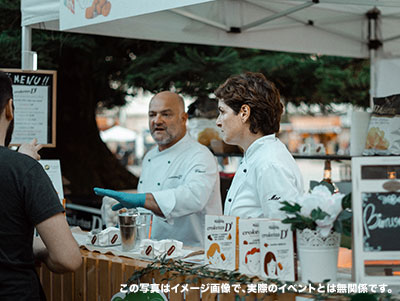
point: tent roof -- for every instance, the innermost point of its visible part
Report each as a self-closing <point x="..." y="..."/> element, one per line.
<point x="332" y="27"/>
<point x="119" y="134"/>
<point x="316" y="124"/>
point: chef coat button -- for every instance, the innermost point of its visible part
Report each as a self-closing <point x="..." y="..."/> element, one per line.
<point x="169" y="162"/>
<point x="229" y="200"/>
<point x="244" y="170"/>
<point x="158" y="184"/>
<point x="140" y="182"/>
<point x="149" y="160"/>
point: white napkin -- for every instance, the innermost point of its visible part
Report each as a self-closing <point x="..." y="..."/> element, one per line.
<point x="108" y="216"/>
<point x="108" y="237"/>
<point x="152" y="248"/>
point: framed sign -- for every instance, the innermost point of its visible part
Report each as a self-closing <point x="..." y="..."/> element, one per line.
<point x="53" y="170"/>
<point x="376" y="219"/>
<point x="35" y="106"/>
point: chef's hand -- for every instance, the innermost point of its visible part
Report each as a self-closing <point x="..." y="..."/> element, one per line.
<point x="31" y="149"/>
<point x="127" y="200"/>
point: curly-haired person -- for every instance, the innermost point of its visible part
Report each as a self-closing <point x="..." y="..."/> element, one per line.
<point x="250" y="111"/>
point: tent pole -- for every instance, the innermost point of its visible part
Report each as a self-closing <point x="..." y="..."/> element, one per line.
<point x="374" y="45"/>
<point x="28" y="57"/>
<point x="279" y="15"/>
<point x="199" y="19"/>
<point x="372" y="77"/>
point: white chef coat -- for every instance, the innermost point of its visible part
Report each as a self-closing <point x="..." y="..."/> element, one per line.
<point x="184" y="180"/>
<point x="267" y="175"/>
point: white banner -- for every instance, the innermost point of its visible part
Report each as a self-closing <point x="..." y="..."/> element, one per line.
<point x="78" y="13"/>
<point x="387" y="77"/>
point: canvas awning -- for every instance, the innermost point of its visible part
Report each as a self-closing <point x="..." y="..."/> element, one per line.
<point x="333" y="27"/>
<point x="316" y="124"/>
<point x="350" y="28"/>
<point x="118" y="134"/>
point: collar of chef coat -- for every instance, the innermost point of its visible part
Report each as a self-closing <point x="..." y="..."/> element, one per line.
<point x="255" y="146"/>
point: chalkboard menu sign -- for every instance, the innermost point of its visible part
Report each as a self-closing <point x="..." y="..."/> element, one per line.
<point x="35" y="106"/>
<point x="381" y="221"/>
<point x="376" y="217"/>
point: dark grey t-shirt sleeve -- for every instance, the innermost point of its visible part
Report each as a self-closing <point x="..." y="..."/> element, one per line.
<point x="41" y="199"/>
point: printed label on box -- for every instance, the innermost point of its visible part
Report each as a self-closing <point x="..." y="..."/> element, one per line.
<point x="221" y="242"/>
<point x="249" y="246"/>
<point x="276" y="251"/>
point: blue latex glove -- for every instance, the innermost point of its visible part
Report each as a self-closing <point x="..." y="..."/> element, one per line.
<point x="127" y="200"/>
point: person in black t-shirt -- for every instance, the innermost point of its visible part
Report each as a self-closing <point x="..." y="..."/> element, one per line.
<point x="28" y="200"/>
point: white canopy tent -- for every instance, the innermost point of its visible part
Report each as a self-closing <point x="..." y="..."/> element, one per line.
<point x="118" y="134"/>
<point x="352" y="28"/>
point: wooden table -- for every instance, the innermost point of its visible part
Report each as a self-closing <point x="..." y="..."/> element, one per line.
<point x="100" y="277"/>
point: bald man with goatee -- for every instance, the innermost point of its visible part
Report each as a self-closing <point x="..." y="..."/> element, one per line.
<point x="179" y="181"/>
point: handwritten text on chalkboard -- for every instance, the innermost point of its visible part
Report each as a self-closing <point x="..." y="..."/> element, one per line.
<point x="26" y="79"/>
<point x="381" y="221"/>
<point x="34" y="102"/>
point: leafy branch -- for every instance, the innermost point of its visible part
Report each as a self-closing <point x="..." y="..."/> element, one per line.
<point x="175" y="269"/>
<point x="299" y="221"/>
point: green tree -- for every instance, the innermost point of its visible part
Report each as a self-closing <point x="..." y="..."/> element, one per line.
<point x="198" y="70"/>
<point x="302" y="78"/>
<point x="191" y="70"/>
<point x="316" y="79"/>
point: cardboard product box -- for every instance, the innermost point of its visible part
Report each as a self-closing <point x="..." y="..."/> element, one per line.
<point x="249" y="246"/>
<point x="276" y="250"/>
<point x="221" y="242"/>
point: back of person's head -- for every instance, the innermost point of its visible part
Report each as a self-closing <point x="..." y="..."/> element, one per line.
<point x="5" y="90"/>
<point x="261" y="95"/>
